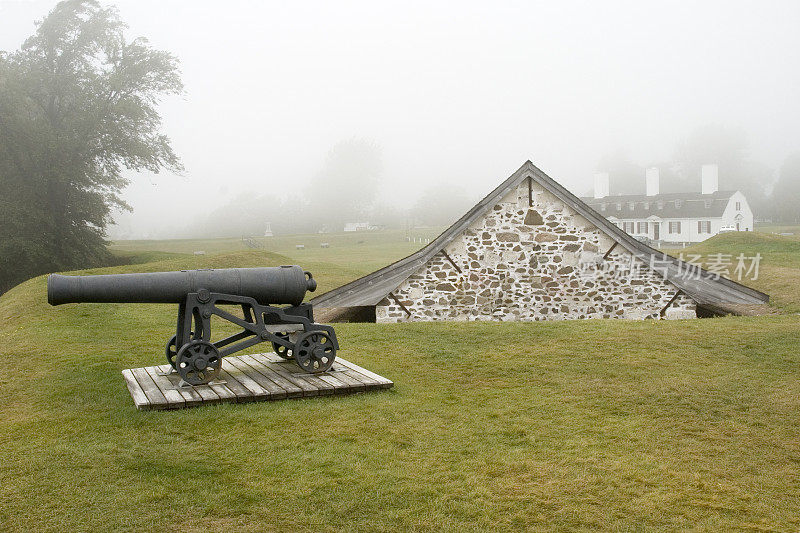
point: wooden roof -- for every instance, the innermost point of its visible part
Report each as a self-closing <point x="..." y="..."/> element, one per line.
<point x="719" y="295"/>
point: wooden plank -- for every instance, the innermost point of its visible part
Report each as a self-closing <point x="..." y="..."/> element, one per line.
<point x="246" y="381"/>
<point x="323" y="388"/>
<point x="281" y="371"/>
<point x="174" y="397"/>
<point x="267" y="384"/>
<point x="242" y="393"/>
<point x="272" y="357"/>
<point x="138" y="395"/>
<point x="190" y="396"/>
<point x="367" y="381"/>
<point x="207" y="393"/>
<point x="339" y="387"/>
<point x="247" y="378"/>
<point x="605" y="256"/>
<point x="353" y="385"/>
<point x="397" y="301"/>
<point x="458" y="268"/>
<point x="225" y="394"/>
<point x="670" y="302"/>
<point x="385" y="383"/>
<point x="154" y="395"/>
<point x="292" y="389"/>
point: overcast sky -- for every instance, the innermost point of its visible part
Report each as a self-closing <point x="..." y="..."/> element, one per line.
<point x="460" y="92"/>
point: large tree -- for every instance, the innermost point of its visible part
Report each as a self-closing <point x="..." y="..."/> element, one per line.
<point x="77" y="107"/>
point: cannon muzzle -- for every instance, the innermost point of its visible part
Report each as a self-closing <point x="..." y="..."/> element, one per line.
<point x="267" y="285"/>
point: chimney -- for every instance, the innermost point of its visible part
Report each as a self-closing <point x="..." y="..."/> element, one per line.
<point x="710" y="179"/>
<point x="600" y="184"/>
<point x="651" y="180"/>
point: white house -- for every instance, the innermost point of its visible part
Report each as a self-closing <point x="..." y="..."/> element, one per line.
<point x="356" y="226"/>
<point x="674" y="218"/>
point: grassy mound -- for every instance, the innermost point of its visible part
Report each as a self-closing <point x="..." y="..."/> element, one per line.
<point x="572" y="425"/>
<point x="779" y="267"/>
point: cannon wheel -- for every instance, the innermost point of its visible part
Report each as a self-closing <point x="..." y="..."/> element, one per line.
<point x="314" y="352"/>
<point x="172" y="350"/>
<point x="283" y="351"/>
<point x="198" y="362"/>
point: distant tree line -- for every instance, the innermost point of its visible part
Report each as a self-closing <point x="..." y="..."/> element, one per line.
<point x="77" y="106"/>
<point x="344" y="190"/>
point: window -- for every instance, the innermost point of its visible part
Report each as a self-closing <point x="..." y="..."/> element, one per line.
<point x="660" y="204"/>
<point x="631" y="205"/>
<point x="641" y="227"/>
<point x="646" y="205"/>
<point x="703" y="226"/>
<point x="603" y="206"/>
<point x="738" y="206"/>
<point x="674" y="227"/>
<point x="677" y="204"/>
<point x="619" y="206"/>
<point x="708" y="203"/>
<point x="629" y="227"/>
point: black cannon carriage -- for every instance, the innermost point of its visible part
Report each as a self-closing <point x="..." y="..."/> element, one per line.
<point x="270" y="298"/>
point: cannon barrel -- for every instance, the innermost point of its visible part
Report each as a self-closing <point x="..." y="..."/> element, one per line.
<point x="267" y="285"/>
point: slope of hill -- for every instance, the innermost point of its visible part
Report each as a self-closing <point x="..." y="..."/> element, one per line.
<point x="571" y="425"/>
<point x="778" y="270"/>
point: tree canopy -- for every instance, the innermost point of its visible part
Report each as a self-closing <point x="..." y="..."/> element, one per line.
<point x="77" y="107"/>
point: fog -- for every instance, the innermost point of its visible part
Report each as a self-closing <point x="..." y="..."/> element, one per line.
<point x="449" y="96"/>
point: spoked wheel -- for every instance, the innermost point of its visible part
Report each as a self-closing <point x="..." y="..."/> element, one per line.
<point x="314" y="352"/>
<point x="172" y="350"/>
<point x="283" y="351"/>
<point x="198" y="362"/>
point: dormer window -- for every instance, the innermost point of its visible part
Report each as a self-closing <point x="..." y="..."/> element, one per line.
<point x="631" y="205"/>
<point x="678" y="204"/>
<point x="619" y="206"/>
<point x="660" y="204"/>
<point x="708" y="204"/>
<point x="646" y="206"/>
<point x="603" y="206"/>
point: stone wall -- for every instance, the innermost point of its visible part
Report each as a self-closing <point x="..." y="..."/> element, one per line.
<point x="533" y="260"/>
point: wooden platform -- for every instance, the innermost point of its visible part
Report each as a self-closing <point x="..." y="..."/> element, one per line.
<point x="248" y="378"/>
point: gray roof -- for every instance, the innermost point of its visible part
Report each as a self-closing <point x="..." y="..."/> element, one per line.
<point x="675" y="205"/>
<point x="719" y="295"/>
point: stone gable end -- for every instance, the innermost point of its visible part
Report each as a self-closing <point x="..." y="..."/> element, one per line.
<point x="533" y="258"/>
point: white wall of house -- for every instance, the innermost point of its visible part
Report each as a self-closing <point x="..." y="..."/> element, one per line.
<point x="738" y="211"/>
<point x="671" y="229"/>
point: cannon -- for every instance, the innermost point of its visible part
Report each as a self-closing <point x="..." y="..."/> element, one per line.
<point x="270" y="300"/>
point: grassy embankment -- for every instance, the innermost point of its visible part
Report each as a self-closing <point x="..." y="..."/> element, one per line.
<point x="572" y="425"/>
<point x="778" y="270"/>
<point x="364" y="251"/>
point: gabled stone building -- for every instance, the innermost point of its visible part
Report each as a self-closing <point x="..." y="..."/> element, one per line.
<point x="531" y="250"/>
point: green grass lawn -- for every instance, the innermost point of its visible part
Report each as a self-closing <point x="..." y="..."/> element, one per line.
<point x="364" y="251"/>
<point x="583" y="425"/>
<point x="779" y="267"/>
